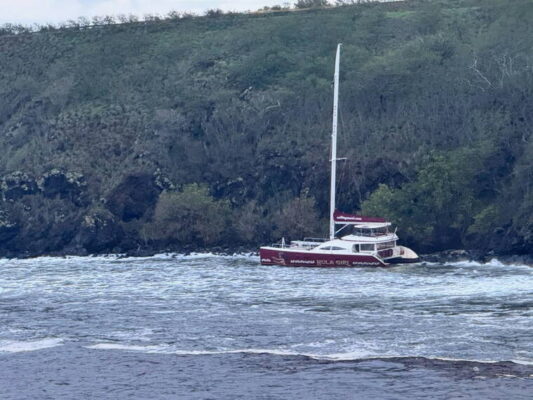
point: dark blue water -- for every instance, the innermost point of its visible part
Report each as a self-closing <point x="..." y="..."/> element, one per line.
<point x="209" y="327"/>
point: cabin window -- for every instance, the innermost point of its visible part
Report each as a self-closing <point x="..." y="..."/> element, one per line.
<point x="371" y="232"/>
<point x="367" y="247"/>
<point x="331" y="248"/>
<point x="355" y="248"/>
<point x="362" y="232"/>
<point x="386" y="245"/>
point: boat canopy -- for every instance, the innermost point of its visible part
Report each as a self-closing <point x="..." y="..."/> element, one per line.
<point x="369" y="225"/>
<point x="352" y="219"/>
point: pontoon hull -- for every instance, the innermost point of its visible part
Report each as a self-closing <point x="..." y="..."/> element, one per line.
<point x="294" y="258"/>
<point x="273" y="256"/>
<point x="403" y="260"/>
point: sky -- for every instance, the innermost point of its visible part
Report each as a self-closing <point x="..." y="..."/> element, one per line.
<point x="28" y="12"/>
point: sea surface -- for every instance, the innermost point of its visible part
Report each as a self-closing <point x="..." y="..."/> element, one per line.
<point x="224" y="327"/>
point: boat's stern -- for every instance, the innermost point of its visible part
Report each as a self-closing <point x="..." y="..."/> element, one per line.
<point x="404" y="256"/>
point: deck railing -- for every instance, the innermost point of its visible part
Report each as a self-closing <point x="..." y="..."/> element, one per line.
<point x="317" y="240"/>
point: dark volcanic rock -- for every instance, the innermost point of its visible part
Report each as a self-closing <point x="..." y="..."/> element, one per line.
<point x="67" y="185"/>
<point x="133" y="197"/>
<point x="99" y="232"/>
<point x="17" y="184"/>
<point x="8" y="229"/>
<point x="454" y="256"/>
<point x="163" y="182"/>
<point x="51" y="240"/>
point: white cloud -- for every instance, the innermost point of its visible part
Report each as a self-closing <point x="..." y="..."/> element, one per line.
<point x="43" y="11"/>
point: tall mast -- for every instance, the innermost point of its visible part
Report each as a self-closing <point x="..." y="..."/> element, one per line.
<point x="334" y="144"/>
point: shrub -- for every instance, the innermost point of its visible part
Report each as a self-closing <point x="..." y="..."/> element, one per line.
<point x="251" y="225"/>
<point x="311" y="4"/>
<point x="298" y="218"/>
<point x="191" y="215"/>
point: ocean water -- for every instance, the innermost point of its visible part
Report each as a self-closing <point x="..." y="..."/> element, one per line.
<point x="224" y="327"/>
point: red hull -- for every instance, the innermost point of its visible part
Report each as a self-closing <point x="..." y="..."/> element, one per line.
<point x="306" y="259"/>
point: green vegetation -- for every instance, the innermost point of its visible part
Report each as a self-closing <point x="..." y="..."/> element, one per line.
<point x="214" y="130"/>
<point x="189" y="216"/>
<point x="447" y="201"/>
<point x="304" y="4"/>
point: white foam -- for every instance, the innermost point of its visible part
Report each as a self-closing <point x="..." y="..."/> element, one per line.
<point x="522" y="362"/>
<point x="347" y="356"/>
<point x="193" y="256"/>
<point x="11" y="346"/>
<point x="182" y="256"/>
<point x="358" y="356"/>
<point x="127" y="347"/>
<point x="124" y="257"/>
<point x="167" y="350"/>
<point x="492" y="263"/>
<point x="277" y="352"/>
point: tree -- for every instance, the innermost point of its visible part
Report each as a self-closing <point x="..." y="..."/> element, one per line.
<point x="301" y="4"/>
<point x="438" y="207"/>
<point x="298" y="218"/>
<point x="189" y="216"/>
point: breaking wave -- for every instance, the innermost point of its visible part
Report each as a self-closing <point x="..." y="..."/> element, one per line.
<point x="347" y="356"/>
<point x="251" y="256"/>
<point x="12" y="346"/>
<point x="125" y="258"/>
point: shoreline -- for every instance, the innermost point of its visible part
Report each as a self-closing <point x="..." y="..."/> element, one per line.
<point x="445" y="256"/>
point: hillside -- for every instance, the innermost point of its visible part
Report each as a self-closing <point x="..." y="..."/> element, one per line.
<point x="211" y="131"/>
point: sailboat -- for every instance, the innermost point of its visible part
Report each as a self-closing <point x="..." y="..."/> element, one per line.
<point x="371" y="242"/>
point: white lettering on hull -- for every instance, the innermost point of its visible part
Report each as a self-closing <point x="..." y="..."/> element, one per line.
<point x="320" y="263"/>
<point x="365" y="263"/>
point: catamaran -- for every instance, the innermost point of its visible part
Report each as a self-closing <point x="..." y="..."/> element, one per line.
<point x="371" y="243"/>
